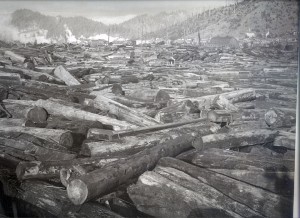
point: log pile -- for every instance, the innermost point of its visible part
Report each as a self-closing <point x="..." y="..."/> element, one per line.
<point x="88" y="132"/>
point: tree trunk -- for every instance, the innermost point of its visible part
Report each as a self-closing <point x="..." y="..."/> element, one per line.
<point x="153" y="192"/>
<point x="102" y="181"/>
<point x="61" y="137"/>
<point x="281" y="117"/>
<point x="225" y="159"/>
<point x="121" y="111"/>
<point x="51" y="169"/>
<point x="264" y="202"/>
<point x="236" y="139"/>
<point x="65" y="76"/>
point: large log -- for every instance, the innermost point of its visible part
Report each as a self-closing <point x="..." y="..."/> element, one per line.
<point x="155" y="194"/>
<point x="12" y="122"/>
<point x="102" y="181"/>
<point x="285" y="139"/>
<point x="121" y="111"/>
<point x="225" y="159"/>
<point x="236" y="139"/>
<point x="58" y="136"/>
<point x="277" y="182"/>
<point x="58" y="109"/>
<point x="149" y="95"/>
<point x="15" y="58"/>
<point x="52" y="201"/>
<point x="281" y="117"/>
<point x="51" y="169"/>
<point x="10" y="78"/>
<point x="65" y="76"/>
<point x="264" y="202"/>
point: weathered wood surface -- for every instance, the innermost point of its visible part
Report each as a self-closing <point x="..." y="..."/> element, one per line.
<point x="263" y="202"/>
<point x="154" y="194"/>
<point x="226" y="159"/>
<point x="149" y="95"/>
<point x="54" y="201"/>
<point x="59" y="136"/>
<point x="236" y="139"/>
<point x="285" y="139"/>
<point x="50" y="169"/>
<point x="280" y="117"/>
<point x="121" y="111"/>
<point x="65" y="76"/>
<point x="101" y="181"/>
<point x="15" y="58"/>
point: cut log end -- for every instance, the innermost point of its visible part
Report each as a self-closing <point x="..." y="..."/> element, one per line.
<point x="198" y="143"/>
<point x="77" y="191"/>
<point x="66" y="139"/>
<point x="270" y="117"/>
<point x="21" y="168"/>
<point x="64" y="175"/>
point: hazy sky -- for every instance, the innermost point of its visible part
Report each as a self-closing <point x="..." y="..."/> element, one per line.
<point x="113" y="11"/>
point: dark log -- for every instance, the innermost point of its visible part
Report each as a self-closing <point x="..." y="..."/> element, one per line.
<point x="281" y="117"/>
<point x="154" y="194"/>
<point x="236" y="139"/>
<point x="102" y="181"/>
<point x="51" y="169"/>
<point x="53" y="200"/>
<point x="264" y="202"/>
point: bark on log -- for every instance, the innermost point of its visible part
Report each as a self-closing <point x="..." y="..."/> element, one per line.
<point x="225" y="159"/>
<point x="54" y="201"/>
<point x="130" y="145"/>
<point x="277" y="182"/>
<point x="281" y="117"/>
<point x="65" y="76"/>
<point x="12" y="122"/>
<point x="69" y="112"/>
<point x="237" y="139"/>
<point x="264" y="202"/>
<point x="61" y="137"/>
<point x="121" y="111"/>
<point x="155" y="194"/>
<point x="51" y="169"/>
<point x="102" y="181"/>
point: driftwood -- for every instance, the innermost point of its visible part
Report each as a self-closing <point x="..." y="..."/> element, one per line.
<point x="281" y="117"/>
<point x="263" y="202"/>
<point x="84" y="188"/>
<point x="236" y="139"/>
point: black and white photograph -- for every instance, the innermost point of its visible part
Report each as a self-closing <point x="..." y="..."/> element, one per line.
<point x="128" y="108"/>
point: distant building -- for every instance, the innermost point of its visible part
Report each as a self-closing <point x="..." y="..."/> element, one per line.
<point x="226" y="41"/>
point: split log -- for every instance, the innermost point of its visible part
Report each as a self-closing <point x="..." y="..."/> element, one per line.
<point x="99" y="182"/>
<point x="237" y="139"/>
<point x="281" y="117"/>
<point x="277" y="182"/>
<point x="130" y="145"/>
<point x="214" y="158"/>
<point x="53" y="201"/>
<point x="121" y="111"/>
<point x="15" y="58"/>
<point x="69" y="112"/>
<point x="153" y="194"/>
<point x="61" y="137"/>
<point x="65" y="76"/>
<point x="51" y="169"/>
<point x="263" y="202"/>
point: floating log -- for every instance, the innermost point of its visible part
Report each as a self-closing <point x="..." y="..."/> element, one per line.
<point x="53" y="201"/>
<point x="121" y="111"/>
<point x="99" y="182"/>
<point x="61" y="137"/>
<point x="51" y="169"/>
<point x="153" y="192"/>
<point x="226" y="159"/>
<point x="150" y="95"/>
<point x="65" y="76"/>
<point x="281" y="117"/>
<point x="263" y="202"/>
<point x="236" y="139"/>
